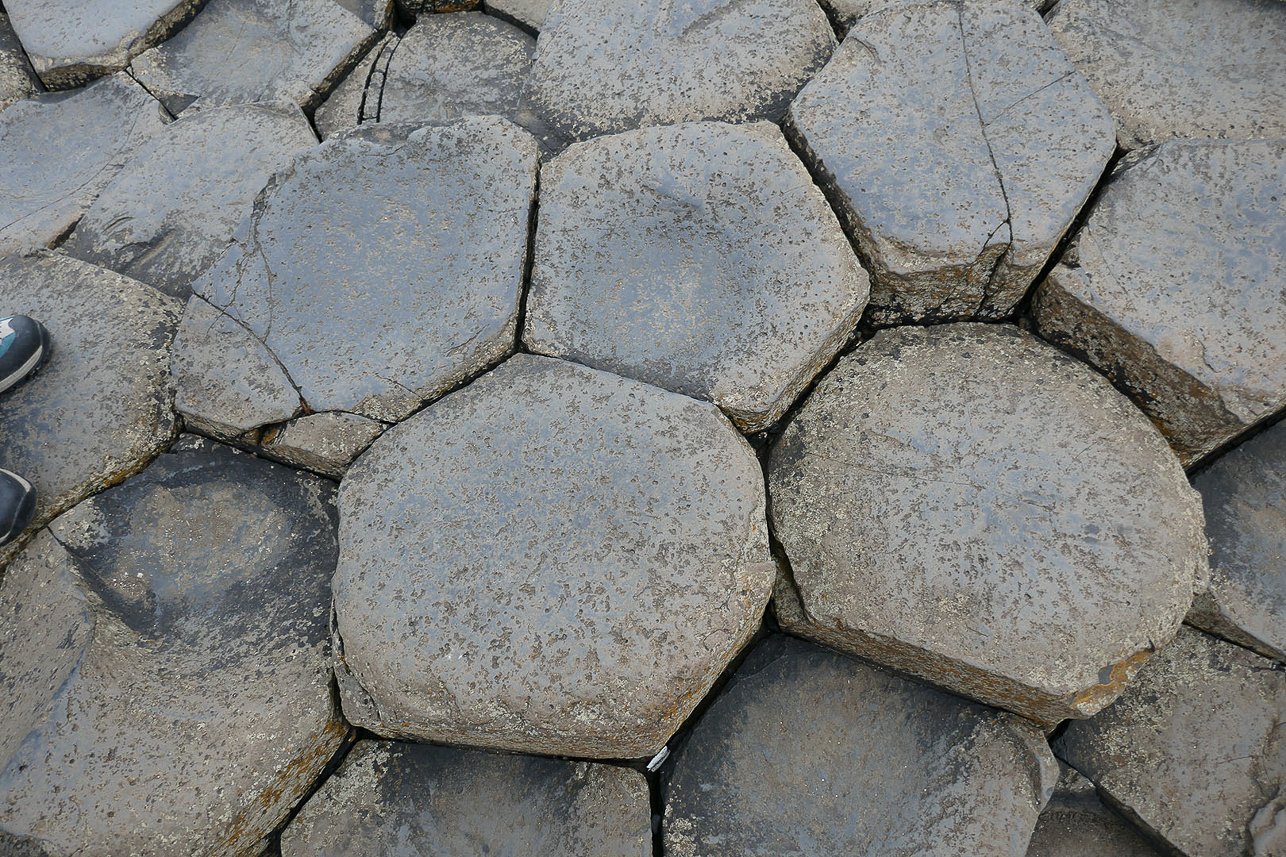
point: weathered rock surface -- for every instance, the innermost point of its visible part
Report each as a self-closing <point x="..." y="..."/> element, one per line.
<point x="60" y="151"/>
<point x="808" y="752"/>
<point x="243" y="51"/>
<point x="356" y="98"/>
<point x="100" y="408"/>
<point x="552" y="559"/>
<point x="969" y="505"/>
<point x="846" y="13"/>
<point x="604" y="66"/>
<point x="325" y="443"/>
<point x="1193" y="69"/>
<point x="17" y="78"/>
<point x="525" y="13"/>
<point x="699" y="258"/>
<point x="1173" y="288"/>
<point x="405" y="800"/>
<point x="1076" y="824"/>
<point x="413" y="8"/>
<point x="355" y="271"/>
<point x="164" y="671"/>
<point x="1193" y="752"/>
<point x="959" y="143"/>
<point x="171" y="211"/>
<point x="378" y="14"/>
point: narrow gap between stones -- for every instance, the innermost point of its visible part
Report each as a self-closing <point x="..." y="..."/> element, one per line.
<point x="239" y="323"/>
<point x="528" y="264"/>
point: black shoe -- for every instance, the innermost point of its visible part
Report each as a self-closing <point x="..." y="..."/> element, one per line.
<point x="17" y="505"/>
<point x="24" y="345"/>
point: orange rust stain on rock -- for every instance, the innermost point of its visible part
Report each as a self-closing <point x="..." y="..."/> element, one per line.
<point x="1091" y="701"/>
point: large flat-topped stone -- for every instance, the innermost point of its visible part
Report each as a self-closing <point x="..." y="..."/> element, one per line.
<point x="967" y="504"/>
<point x="406" y="800"/>
<point x="959" y="143"/>
<point x="18" y="80"/>
<point x="164" y="670"/>
<point x="1173" y="288"/>
<point x="1075" y="823"/>
<point x="1195" y="69"/>
<point x="603" y="67"/>
<point x="809" y="752"/>
<point x="697" y="257"/>
<point x="1193" y="751"/>
<point x="385" y="266"/>
<point x="552" y="559"/>
<point x="171" y="210"/>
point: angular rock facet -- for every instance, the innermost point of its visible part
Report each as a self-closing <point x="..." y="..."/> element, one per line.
<point x="17" y="79"/>
<point x="324" y="443"/>
<point x="1076" y="824"/>
<point x="356" y="98"/>
<point x="526" y="13"/>
<point x="846" y="13"/>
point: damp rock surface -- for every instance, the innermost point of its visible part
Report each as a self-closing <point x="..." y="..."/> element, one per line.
<point x="1075" y="823"/>
<point x="355" y="99"/>
<point x="323" y="443"/>
<point x="527" y="13"/>
<point x="18" y="80"/>
<point x="847" y="13"/>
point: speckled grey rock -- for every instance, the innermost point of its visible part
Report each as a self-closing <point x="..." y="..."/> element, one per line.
<point x="967" y="504"/>
<point x="810" y="753"/>
<point x="413" y="8"/>
<point x="60" y="151"/>
<point x="355" y="274"/>
<point x="356" y="98"/>
<point x="411" y="800"/>
<point x="1174" y="288"/>
<point x="1193" y="752"/>
<point x="376" y="13"/>
<point x="242" y="51"/>
<point x="164" y="670"/>
<point x="17" y="79"/>
<point x="525" y="13"/>
<point x="700" y="258"/>
<point x="171" y="211"/>
<point x="959" y="143"/>
<point x="846" y="13"/>
<point x="552" y="559"/>
<point x="325" y="443"/>
<point x="604" y="66"/>
<point x="1076" y="824"/>
<point x="1196" y="68"/>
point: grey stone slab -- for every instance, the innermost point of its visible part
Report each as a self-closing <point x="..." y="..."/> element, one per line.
<point x="356" y="98"/>
<point x="171" y="210"/>
<point x="699" y="258"/>
<point x="604" y="66"/>
<point x="60" y="151"/>
<point x="1193" y="752"/>
<point x="1173" y="288"/>
<point x="552" y="559"/>
<point x="414" y="8"/>
<point x="969" y="505"/>
<point x="164" y="661"/>
<point x="378" y="14"/>
<point x="959" y="143"/>
<point x="411" y="800"/>
<point x="1193" y="69"/>
<point x="846" y="13"/>
<point x="525" y="13"/>
<point x="100" y="408"/>
<point x="243" y="51"/>
<point x="385" y="266"/>
<point x="810" y="753"/>
<point x="325" y="443"/>
<point x="18" y="80"/>
<point x="1075" y="823"/>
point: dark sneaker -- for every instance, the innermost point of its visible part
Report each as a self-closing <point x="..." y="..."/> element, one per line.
<point x="24" y="344"/>
<point x="17" y="505"/>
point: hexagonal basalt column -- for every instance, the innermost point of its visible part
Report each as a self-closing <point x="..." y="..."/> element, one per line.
<point x="969" y="505"/>
<point x="552" y="559"/>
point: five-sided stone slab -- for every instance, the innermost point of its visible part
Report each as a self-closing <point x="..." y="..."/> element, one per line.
<point x="394" y="799"/>
<point x="164" y="665"/>
<point x="967" y="504"/>
<point x="552" y="559"/>
<point x="959" y="143"/>
<point x="697" y="257"/>
<point x="1173" y="288"/>
<point x="1075" y="823"/>
<point x="810" y="752"/>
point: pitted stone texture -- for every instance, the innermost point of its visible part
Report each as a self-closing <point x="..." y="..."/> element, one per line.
<point x="171" y="211"/>
<point x="414" y="8"/>
<point x="959" y="143"/>
<point x="385" y="266"/>
<point x="18" y="80"/>
<point x="810" y="752"/>
<point x="408" y="800"/>
<point x="1173" y="288"/>
<point x="1076" y="824"/>
<point x="325" y="443"/>
<point x="1187" y="69"/>
<point x="100" y="408"/>
<point x="60" y="151"/>
<point x="967" y="504"/>
<point x="356" y="98"/>
<point x="604" y="66"/>
<point x="243" y="51"/>
<point x="376" y="13"/>
<point x="552" y="559"/>
<point x="1193" y="752"/>
<point x="846" y="13"/>
<point x="525" y="13"/>
<point x="164" y="661"/>
<point x="699" y="258"/>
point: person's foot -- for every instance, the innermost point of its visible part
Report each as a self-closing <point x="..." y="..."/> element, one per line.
<point x="17" y="505"/>
<point x="24" y="344"/>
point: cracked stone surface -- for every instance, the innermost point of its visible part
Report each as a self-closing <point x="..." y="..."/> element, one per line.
<point x="378" y="14"/>
<point x="61" y="150"/>
<point x="1193" y="751"/>
<point x="1173" y="288"/>
<point x="552" y="559"/>
<point x="156" y="707"/>
<point x="171" y="210"/>
<point x="733" y="282"/>
<point x="433" y="310"/>
<point x="527" y="13"/>
<point x="1181" y="70"/>
<point x="18" y="80"/>
<point x="355" y="99"/>
<point x="809" y="752"/>
<point x="1075" y="823"/>
<point x="1030" y="553"/>
<point x="405" y="800"/>
<point x="846" y="13"/>
<point x="324" y="443"/>
<point x="959" y="143"/>
<point x="604" y="66"/>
